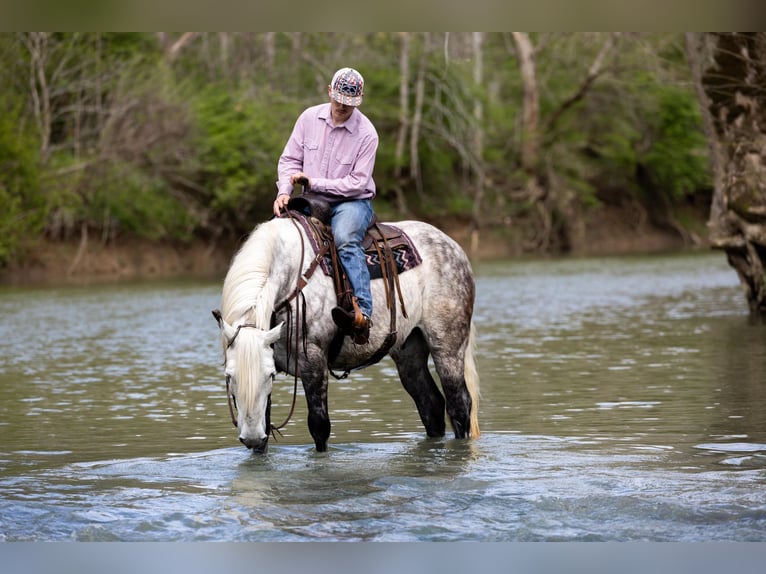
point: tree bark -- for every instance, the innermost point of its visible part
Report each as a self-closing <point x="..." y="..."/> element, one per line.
<point x="404" y="120"/>
<point x="534" y="191"/>
<point x="530" y="131"/>
<point x="184" y="40"/>
<point x="478" y="138"/>
<point x="37" y="44"/>
<point x="417" y="117"/>
<point x="733" y="84"/>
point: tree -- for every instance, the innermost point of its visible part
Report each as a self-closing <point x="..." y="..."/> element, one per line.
<point x="730" y="73"/>
<point x="542" y="186"/>
<point x="176" y="136"/>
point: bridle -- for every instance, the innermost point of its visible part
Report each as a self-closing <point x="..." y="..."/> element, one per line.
<point x="232" y="402"/>
<point x="302" y="280"/>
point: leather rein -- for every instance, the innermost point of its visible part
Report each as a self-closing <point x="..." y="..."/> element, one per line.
<point x="297" y="292"/>
<point x="391" y="280"/>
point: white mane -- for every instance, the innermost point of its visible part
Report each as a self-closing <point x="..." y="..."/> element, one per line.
<point x="248" y="295"/>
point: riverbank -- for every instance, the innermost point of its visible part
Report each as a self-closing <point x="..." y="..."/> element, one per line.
<point x="607" y="231"/>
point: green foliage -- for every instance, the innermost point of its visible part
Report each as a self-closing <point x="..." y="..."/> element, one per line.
<point x="22" y="209"/>
<point x="127" y="200"/>
<point x="676" y="160"/>
<point x="144" y="142"/>
<point x="238" y="144"/>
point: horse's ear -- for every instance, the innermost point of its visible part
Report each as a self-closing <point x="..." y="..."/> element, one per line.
<point x="228" y="330"/>
<point x="274" y="334"/>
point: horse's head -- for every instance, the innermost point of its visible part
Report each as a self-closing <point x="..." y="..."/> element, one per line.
<point x="250" y="371"/>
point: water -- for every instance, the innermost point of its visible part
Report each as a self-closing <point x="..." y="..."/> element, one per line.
<point x="623" y="400"/>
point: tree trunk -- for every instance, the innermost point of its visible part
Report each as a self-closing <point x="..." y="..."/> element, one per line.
<point x="404" y="121"/>
<point x="478" y="138"/>
<point x="417" y="116"/>
<point x="534" y="191"/>
<point x="37" y="44"/>
<point x="736" y="101"/>
<point x="530" y="131"/>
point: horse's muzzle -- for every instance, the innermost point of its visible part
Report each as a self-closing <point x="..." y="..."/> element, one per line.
<point x="256" y="444"/>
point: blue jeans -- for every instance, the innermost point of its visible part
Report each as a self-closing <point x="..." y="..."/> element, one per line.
<point x="350" y="220"/>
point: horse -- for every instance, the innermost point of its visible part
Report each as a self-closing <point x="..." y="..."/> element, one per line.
<point x="256" y="305"/>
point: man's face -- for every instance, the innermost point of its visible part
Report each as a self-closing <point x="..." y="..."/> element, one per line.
<point x="340" y="112"/>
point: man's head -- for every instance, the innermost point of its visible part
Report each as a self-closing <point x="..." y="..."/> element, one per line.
<point x="347" y="87"/>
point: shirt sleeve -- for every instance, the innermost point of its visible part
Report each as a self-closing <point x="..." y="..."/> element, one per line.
<point x="358" y="183"/>
<point x="291" y="160"/>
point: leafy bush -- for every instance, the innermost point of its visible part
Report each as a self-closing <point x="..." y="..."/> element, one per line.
<point x="238" y="145"/>
<point x="22" y="210"/>
<point x="677" y="160"/>
<point x="125" y="199"/>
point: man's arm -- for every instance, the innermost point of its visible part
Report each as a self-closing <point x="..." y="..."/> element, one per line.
<point x="291" y="160"/>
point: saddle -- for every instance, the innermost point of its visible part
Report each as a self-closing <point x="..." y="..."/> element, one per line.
<point x="318" y="210"/>
<point x="388" y="250"/>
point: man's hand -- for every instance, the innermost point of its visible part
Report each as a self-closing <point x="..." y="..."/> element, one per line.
<point x="301" y="178"/>
<point x="280" y="203"/>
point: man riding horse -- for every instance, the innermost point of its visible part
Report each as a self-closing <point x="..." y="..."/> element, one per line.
<point x="332" y="147"/>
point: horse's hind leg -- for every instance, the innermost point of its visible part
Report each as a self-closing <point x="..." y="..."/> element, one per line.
<point x="412" y="363"/>
<point x="450" y="368"/>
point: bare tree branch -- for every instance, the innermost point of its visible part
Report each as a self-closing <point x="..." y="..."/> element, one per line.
<point x="596" y="69"/>
<point x="184" y="40"/>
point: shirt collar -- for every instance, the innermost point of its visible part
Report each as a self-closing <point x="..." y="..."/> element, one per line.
<point x="351" y="124"/>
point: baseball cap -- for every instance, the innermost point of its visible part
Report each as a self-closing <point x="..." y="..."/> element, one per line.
<point x="347" y="87"/>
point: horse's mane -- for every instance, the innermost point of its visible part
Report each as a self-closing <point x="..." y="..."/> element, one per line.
<point x="249" y="297"/>
<point x="247" y="291"/>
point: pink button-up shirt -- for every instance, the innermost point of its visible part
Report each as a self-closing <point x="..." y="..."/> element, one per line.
<point x="337" y="159"/>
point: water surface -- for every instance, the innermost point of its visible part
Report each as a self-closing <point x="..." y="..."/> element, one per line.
<point x="623" y="399"/>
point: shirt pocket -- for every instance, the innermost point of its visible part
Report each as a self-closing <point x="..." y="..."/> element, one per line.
<point x="345" y="159"/>
<point x="310" y="147"/>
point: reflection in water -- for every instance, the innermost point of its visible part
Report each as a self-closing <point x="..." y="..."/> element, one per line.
<point x="623" y="399"/>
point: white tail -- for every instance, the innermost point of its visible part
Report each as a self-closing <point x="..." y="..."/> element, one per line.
<point x="472" y="382"/>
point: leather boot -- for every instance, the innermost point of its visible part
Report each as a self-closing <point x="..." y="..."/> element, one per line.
<point x="362" y="326"/>
<point x="354" y="323"/>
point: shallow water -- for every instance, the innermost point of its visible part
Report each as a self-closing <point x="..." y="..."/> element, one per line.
<point x="623" y="399"/>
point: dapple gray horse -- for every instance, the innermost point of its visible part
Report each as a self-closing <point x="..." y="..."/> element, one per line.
<point x="439" y="298"/>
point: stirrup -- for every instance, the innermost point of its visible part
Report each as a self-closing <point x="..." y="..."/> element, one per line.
<point x="354" y="325"/>
<point x="343" y="319"/>
<point x="362" y="332"/>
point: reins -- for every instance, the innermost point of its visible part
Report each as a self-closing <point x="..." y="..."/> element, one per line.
<point x="232" y="402"/>
<point x="393" y="289"/>
<point x="303" y="278"/>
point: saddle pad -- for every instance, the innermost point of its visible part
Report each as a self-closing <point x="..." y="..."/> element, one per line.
<point x="405" y="253"/>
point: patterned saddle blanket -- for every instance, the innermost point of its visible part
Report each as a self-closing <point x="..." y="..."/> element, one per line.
<point x="405" y="254"/>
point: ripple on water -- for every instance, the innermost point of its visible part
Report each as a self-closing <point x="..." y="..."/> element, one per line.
<point x="614" y="408"/>
<point x="503" y="487"/>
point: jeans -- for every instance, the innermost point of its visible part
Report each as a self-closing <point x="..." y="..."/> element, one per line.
<point x="350" y="220"/>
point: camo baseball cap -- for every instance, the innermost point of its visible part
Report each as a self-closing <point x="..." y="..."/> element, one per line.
<point x="347" y="87"/>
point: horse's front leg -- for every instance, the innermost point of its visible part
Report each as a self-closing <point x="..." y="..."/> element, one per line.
<point x="314" y="378"/>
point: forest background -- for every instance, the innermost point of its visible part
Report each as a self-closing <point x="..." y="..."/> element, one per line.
<point x="118" y="149"/>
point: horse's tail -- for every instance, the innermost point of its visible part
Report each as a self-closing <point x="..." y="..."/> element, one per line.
<point x="472" y="382"/>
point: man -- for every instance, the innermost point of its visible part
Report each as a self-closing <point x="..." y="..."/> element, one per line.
<point x="333" y="146"/>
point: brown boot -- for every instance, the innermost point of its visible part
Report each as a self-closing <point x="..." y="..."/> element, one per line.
<point x="362" y="324"/>
<point x="354" y="324"/>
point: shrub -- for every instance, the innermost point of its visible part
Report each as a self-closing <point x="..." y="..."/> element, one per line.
<point x="23" y="209"/>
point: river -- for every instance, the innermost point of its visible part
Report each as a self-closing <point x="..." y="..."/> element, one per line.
<point x="623" y="399"/>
